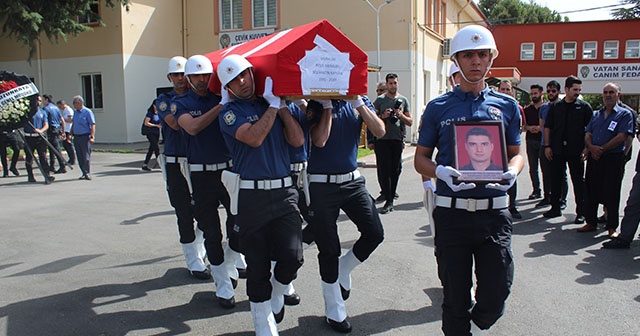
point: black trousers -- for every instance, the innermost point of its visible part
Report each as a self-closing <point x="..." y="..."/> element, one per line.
<point x="463" y="239"/>
<point x="68" y="147"/>
<point x="353" y="198"/>
<point x="307" y="232"/>
<point x="269" y="226"/>
<point x="533" y="157"/>
<point x="208" y="194"/>
<point x="388" y="165"/>
<point x="603" y="185"/>
<point x="576" y="170"/>
<point x="12" y="142"/>
<point x="36" y="144"/>
<point x="54" y="139"/>
<point x="83" y="151"/>
<point x="154" y="148"/>
<point x="180" y="200"/>
<point x="547" y="172"/>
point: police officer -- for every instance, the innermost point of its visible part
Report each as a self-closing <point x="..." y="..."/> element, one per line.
<point x="197" y="114"/>
<point x="258" y="131"/>
<point x="9" y="138"/>
<point x="175" y="154"/>
<point x="34" y="141"/>
<point x="336" y="183"/>
<point x="472" y="222"/>
<point x="54" y="133"/>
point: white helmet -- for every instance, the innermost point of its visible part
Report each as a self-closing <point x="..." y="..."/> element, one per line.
<point x="230" y="67"/>
<point x="453" y="69"/>
<point x="473" y="37"/>
<point x="197" y="65"/>
<point x="176" y="65"/>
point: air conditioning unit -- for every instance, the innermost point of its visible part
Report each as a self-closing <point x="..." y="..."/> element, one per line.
<point x="446" y="48"/>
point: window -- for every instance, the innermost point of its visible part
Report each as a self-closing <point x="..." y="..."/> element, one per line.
<point x="610" y="49"/>
<point x="548" y="50"/>
<point x="92" y="90"/>
<point x="91" y="17"/>
<point x="568" y="50"/>
<point x="633" y="49"/>
<point x="264" y="13"/>
<point x="436" y="13"/>
<point x="589" y="49"/>
<point x="231" y="14"/>
<point x="526" y="51"/>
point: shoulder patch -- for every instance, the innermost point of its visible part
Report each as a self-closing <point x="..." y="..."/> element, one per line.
<point x="174" y="108"/>
<point x="163" y="106"/>
<point x="495" y="113"/>
<point x="229" y="118"/>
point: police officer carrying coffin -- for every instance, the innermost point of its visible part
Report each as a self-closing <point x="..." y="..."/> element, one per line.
<point x="335" y="183"/>
<point x="34" y="141"/>
<point x="258" y="131"/>
<point x="197" y="113"/>
<point x="472" y="222"/>
<point x="175" y="154"/>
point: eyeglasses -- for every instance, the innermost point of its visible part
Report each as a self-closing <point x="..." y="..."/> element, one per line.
<point x="379" y="90"/>
<point x="552" y="91"/>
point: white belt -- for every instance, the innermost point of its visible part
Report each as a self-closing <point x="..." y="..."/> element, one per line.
<point x="199" y="167"/>
<point x="298" y="166"/>
<point x="472" y="204"/>
<point x="175" y="159"/>
<point x="321" y="178"/>
<point x="284" y="182"/>
<point x="32" y="135"/>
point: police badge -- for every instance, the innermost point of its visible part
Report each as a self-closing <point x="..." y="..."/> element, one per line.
<point x="163" y="106"/>
<point x="229" y="118"/>
<point x="495" y="113"/>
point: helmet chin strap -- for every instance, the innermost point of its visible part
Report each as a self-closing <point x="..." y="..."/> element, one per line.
<point x="455" y="59"/>
<point x="253" y="89"/>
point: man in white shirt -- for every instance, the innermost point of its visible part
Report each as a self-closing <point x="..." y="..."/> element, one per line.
<point x="67" y="115"/>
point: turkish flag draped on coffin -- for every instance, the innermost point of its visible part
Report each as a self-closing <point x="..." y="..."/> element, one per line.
<point x="312" y="60"/>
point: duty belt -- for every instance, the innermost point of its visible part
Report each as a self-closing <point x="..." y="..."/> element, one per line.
<point x="284" y="182"/>
<point x="472" y="204"/>
<point x="174" y="159"/>
<point x="338" y="179"/>
<point x="298" y="166"/>
<point x="200" y="167"/>
<point x="32" y="135"/>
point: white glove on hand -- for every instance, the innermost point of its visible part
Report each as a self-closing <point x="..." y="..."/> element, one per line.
<point x="447" y="174"/>
<point x="356" y="102"/>
<point x="225" y="96"/>
<point x="326" y="103"/>
<point x="274" y="101"/>
<point x="300" y="102"/>
<point x="509" y="176"/>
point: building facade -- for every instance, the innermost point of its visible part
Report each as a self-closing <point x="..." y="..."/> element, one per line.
<point x="119" y="67"/>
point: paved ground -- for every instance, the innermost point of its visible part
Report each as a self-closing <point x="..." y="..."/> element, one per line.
<point x="101" y="257"/>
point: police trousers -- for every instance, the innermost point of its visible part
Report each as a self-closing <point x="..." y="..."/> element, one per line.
<point x="354" y="199"/>
<point x="208" y="194"/>
<point x="603" y="185"/>
<point x="464" y="239"/>
<point x="180" y="200"/>
<point x="269" y="227"/>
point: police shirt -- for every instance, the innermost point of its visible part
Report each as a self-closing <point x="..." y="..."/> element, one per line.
<point x="339" y="154"/>
<point x="268" y="161"/>
<point x="54" y="115"/>
<point x="542" y="114"/>
<point x="175" y="143"/>
<point x="38" y="121"/>
<point x="154" y="119"/>
<point x="438" y="118"/>
<point x="603" y="129"/>
<point x="394" y="127"/>
<point x="300" y="154"/>
<point x="207" y="146"/>
<point x="82" y="121"/>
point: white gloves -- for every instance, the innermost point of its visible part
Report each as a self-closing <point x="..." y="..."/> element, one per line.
<point x="326" y="103"/>
<point x="300" y="102"/>
<point x="273" y="100"/>
<point x="510" y="176"/>
<point x="225" y="96"/>
<point x="356" y="102"/>
<point x="447" y="174"/>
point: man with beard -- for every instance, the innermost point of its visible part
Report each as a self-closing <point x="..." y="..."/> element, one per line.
<point x="531" y="125"/>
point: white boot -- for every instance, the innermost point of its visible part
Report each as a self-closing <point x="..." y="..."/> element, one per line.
<point x="263" y="320"/>
<point x="277" y="299"/>
<point x="230" y="260"/>
<point x="194" y="262"/>
<point x="333" y="303"/>
<point x="202" y="251"/>
<point x="290" y="290"/>
<point x="346" y="264"/>
<point x="224" y="287"/>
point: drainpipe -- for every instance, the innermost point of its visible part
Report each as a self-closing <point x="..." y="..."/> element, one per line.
<point x="184" y="28"/>
<point x="39" y="66"/>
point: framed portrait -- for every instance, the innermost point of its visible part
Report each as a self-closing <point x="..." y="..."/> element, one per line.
<point x="480" y="153"/>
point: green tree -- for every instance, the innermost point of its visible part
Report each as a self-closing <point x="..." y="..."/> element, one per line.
<point x="518" y="12"/>
<point x="627" y="13"/>
<point x="27" y="21"/>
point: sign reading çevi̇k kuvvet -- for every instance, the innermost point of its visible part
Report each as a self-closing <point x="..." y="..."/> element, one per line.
<point x="312" y="60"/>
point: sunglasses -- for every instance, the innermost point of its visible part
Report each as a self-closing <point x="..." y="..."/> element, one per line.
<point x="379" y="90"/>
<point x="552" y="91"/>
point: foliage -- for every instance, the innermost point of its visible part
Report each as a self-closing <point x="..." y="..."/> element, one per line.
<point x="595" y="100"/>
<point x="27" y="20"/>
<point x="627" y="13"/>
<point x="517" y="12"/>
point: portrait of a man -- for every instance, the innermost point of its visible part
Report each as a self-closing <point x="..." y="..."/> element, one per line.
<point x="479" y="146"/>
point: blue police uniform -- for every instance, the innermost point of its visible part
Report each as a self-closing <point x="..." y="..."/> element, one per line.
<point x="268" y="219"/>
<point x="463" y="236"/>
<point x="336" y="183"/>
<point x="175" y="150"/>
<point x="82" y="121"/>
<point x="53" y="134"/>
<point x="35" y="142"/>
<point x="207" y="157"/>
<point x="604" y="176"/>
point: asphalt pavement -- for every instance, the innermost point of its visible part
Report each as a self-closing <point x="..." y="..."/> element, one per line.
<point x="102" y="258"/>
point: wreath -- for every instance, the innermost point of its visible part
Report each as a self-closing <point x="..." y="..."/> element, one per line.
<point x="18" y="100"/>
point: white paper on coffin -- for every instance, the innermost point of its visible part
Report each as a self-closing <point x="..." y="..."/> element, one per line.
<point x="325" y="69"/>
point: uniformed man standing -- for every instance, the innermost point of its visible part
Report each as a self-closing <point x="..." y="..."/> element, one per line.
<point x="335" y="184"/>
<point x="84" y="131"/>
<point x="197" y="113"/>
<point x="175" y="154"/>
<point x="34" y="139"/>
<point x="472" y="222"/>
<point x="258" y="131"/>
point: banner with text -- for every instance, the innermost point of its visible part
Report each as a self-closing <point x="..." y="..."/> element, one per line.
<point x="609" y="71"/>
<point x="234" y="38"/>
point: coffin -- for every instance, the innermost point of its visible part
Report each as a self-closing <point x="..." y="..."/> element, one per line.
<point x="312" y="60"/>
